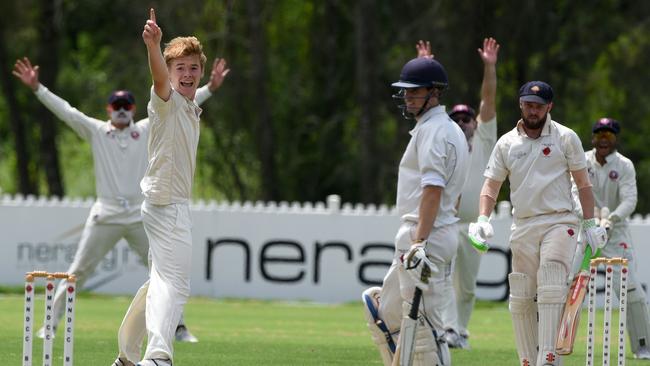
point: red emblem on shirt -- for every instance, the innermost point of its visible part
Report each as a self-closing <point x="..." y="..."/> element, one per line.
<point x="135" y="135"/>
<point x="613" y="175"/>
<point x="546" y="151"/>
<point x="571" y="232"/>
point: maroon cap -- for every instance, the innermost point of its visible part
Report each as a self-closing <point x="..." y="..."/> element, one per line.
<point x="121" y="95"/>
<point x="462" y="108"/>
<point x="609" y="124"/>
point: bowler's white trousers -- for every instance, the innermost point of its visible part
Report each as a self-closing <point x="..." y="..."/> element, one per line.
<point x="158" y="304"/>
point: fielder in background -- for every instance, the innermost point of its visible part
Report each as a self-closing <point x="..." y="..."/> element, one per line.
<point x="167" y="188"/>
<point x="539" y="157"/>
<point x="119" y="148"/>
<point x="614" y="186"/>
<point x="481" y="134"/>
<point x="431" y="175"/>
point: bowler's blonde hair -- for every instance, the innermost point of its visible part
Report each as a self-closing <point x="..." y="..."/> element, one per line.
<point x="184" y="46"/>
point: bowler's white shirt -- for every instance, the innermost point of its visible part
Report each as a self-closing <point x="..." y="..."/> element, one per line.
<point x="173" y="142"/>
<point x="483" y="142"/>
<point x="436" y="155"/>
<point x="538" y="169"/>
<point x="119" y="156"/>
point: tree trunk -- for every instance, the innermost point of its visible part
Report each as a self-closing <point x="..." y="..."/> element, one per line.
<point x="26" y="182"/>
<point x="49" y="30"/>
<point x="366" y="72"/>
<point x="260" y="76"/>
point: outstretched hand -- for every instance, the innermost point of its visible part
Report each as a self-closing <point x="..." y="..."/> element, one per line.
<point x="424" y="49"/>
<point x="490" y="51"/>
<point x="152" y="34"/>
<point x="27" y="73"/>
<point x="218" y="73"/>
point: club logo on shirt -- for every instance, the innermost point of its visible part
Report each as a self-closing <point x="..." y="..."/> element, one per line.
<point x="613" y="175"/>
<point x="519" y="154"/>
<point x="571" y="232"/>
<point x="135" y="135"/>
<point x="546" y="151"/>
<point x="590" y="171"/>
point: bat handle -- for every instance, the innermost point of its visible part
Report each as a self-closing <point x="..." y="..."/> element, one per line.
<point x="415" y="306"/>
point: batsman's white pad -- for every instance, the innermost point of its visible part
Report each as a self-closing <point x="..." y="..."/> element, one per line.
<point x="638" y="320"/>
<point x="551" y="295"/>
<point x="425" y="349"/>
<point x="381" y="336"/>
<point x="524" y="316"/>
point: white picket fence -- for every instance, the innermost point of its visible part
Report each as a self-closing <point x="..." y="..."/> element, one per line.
<point x="324" y="251"/>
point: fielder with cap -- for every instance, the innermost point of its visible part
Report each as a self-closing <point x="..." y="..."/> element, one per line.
<point x="119" y="148"/>
<point x="431" y="175"/>
<point x="539" y="157"/>
<point x="614" y="185"/>
<point x="481" y="134"/>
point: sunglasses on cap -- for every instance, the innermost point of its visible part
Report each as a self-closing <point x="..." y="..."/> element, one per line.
<point x="462" y="118"/>
<point x="118" y="104"/>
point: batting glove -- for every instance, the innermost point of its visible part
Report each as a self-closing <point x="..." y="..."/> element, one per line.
<point x="595" y="236"/>
<point x="606" y="224"/>
<point x="418" y="265"/>
<point x="479" y="232"/>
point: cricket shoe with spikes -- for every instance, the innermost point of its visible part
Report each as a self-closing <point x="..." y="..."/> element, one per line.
<point x="184" y="335"/>
<point x="154" y="362"/>
<point x="643" y="353"/>
<point x="452" y="338"/>
<point x="41" y="332"/>
<point x="122" y="362"/>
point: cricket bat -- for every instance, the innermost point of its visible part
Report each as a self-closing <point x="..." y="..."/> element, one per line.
<point x="573" y="306"/>
<point x="404" y="354"/>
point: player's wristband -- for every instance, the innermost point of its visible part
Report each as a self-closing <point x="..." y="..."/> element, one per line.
<point x="482" y="218"/>
<point x="589" y="223"/>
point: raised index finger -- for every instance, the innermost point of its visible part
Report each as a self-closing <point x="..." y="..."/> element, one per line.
<point x="152" y="15"/>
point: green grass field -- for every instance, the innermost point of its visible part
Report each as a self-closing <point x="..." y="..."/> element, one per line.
<point x="248" y="332"/>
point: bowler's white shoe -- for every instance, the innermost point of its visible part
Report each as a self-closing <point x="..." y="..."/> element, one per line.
<point x="184" y="335"/>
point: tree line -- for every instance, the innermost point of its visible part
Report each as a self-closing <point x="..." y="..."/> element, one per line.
<point x="306" y="110"/>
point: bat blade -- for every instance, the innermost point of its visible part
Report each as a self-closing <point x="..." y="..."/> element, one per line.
<point x="571" y="314"/>
<point x="407" y="341"/>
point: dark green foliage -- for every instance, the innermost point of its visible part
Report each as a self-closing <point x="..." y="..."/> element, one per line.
<point x="306" y="110"/>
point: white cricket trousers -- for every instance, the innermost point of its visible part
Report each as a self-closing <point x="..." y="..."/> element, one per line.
<point x="98" y="239"/>
<point x="158" y="304"/>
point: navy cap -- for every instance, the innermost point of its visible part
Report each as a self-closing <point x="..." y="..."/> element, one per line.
<point x="609" y="124"/>
<point x="121" y="95"/>
<point x="422" y="72"/>
<point x="462" y="108"/>
<point x="536" y="92"/>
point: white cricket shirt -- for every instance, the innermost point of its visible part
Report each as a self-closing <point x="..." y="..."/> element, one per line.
<point x="538" y="169"/>
<point x="172" y="146"/>
<point x="119" y="156"/>
<point x="483" y="142"/>
<point x="614" y="184"/>
<point x="437" y="155"/>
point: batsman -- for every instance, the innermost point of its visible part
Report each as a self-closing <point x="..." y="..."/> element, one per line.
<point x="539" y="157"/>
<point x="431" y="175"/>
